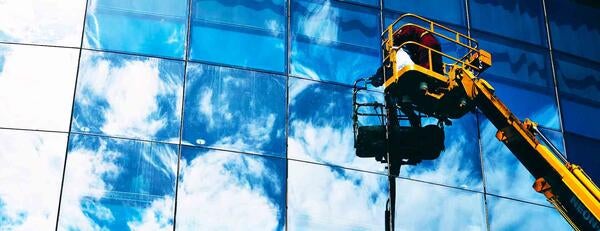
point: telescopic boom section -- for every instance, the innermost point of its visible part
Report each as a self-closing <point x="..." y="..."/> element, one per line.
<point x="459" y="90"/>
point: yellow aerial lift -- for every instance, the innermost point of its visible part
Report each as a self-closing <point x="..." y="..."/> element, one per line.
<point x="451" y="95"/>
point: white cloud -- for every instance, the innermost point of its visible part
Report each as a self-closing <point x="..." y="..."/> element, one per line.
<point x="31" y="164"/>
<point x="84" y="185"/>
<point x="215" y="193"/>
<point x="36" y="87"/>
<point x="321" y="23"/>
<point x="321" y="199"/>
<point x="50" y="22"/>
<point x="420" y="206"/>
<point x="156" y="217"/>
<point x="131" y="91"/>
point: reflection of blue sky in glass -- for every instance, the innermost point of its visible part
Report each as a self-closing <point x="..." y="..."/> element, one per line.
<point x="128" y="96"/>
<point x="48" y="22"/>
<point x="230" y="191"/>
<point x="459" y="165"/>
<point x="422" y="206"/>
<point x="118" y="184"/>
<point x="335" y="199"/>
<point x="449" y="11"/>
<point x="574" y="27"/>
<point x="521" y="20"/>
<point x="504" y="174"/>
<point x="506" y="214"/>
<point x="320" y="127"/>
<point x="246" y="33"/>
<point x="522" y="78"/>
<point x="31" y="164"/>
<point x="333" y="41"/>
<point x="152" y="27"/>
<point x="234" y="109"/>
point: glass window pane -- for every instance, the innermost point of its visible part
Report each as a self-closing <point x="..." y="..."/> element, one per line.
<point x="36" y="86"/>
<point x="152" y="27"/>
<point x="32" y="166"/>
<point x="367" y="2"/>
<point x="334" y="41"/>
<point x="579" y="94"/>
<point x="452" y="11"/>
<point x="522" y="77"/>
<point x="234" y="26"/>
<point x="459" y="165"/>
<point x="338" y="199"/>
<point x="320" y="127"/>
<point x="235" y="109"/>
<point x="521" y="20"/>
<point x="422" y="206"/>
<point x="50" y="22"/>
<point x="230" y="191"/>
<point x="114" y="184"/>
<point x="129" y="96"/>
<point x="574" y="27"/>
<point x="556" y="138"/>
<point x="583" y="151"/>
<point x="504" y="174"/>
<point x="506" y="214"/>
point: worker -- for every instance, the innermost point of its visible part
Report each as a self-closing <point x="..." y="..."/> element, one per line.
<point x="418" y="54"/>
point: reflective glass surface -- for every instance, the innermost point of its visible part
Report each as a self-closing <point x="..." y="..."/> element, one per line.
<point x="579" y="91"/>
<point x="338" y="199"/>
<point x="32" y="166"/>
<point x="504" y="174"/>
<point x="114" y="184"/>
<point x="128" y="96"/>
<point x="320" y="125"/>
<point x="230" y="191"/>
<point x="574" y="27"/>
<point x="459" y="165"/>
<point x="583" y="151"/>
<point x="151" y="27"/>
<point x="333" y="41"/>
<point x="234" y="109"/>
<point x="422" y="206"/>
<point x="48" y="22"/>
<point x="36" y="86"/>
<point x="522" y="77"/>
<point x="521" y="20"/>
<point x="452" y="11"/>
<point x="506" y="214"/>
<point x="248" y="33"/>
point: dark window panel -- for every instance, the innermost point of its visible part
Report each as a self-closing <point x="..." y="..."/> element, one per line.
<point x="574" y="27"/>
<point x="234" y="109"/>
<point x="521" y="20"/>
<point x="240" y="33"/>
<point x="583" y="151"/>
<point x="452" y="11"/>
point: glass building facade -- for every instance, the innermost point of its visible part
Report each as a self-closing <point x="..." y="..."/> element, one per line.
<point x="237" y="115"/>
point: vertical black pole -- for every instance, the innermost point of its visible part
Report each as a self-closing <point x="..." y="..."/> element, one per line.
<point x="393" y="170"/>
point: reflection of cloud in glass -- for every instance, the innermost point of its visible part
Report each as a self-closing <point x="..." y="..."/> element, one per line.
<point x="504" y="174"/>
<point x="113" y="184"/>
<point x="230" y="191"/>
<point x="36" y="86"/>
<point x="31" y="166"/>
<point x="505" y="214"/>
<point x="48" y="22"/>
<point x="421" y="206"/>
<point x="332" y="198"/>
<point x="129" y="96"/>
<point x="235" y="109"/>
